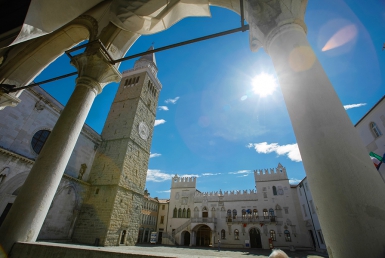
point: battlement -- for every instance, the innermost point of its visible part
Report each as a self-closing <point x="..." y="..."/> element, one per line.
<point x="279" y="173"/>
<point x="182" y="182"/>
<point x="226" y="193"/>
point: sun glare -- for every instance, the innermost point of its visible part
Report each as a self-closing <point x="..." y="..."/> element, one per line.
<point x="264" y="84"/>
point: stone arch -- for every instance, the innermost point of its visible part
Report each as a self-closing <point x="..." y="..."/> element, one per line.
<point x="203" y="235"/>
<point x="31" y="57"/>
<point x="14" y="183"/>
<point x="62" y="213"/>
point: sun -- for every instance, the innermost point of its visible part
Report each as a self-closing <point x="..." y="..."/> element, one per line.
<point x="264" y="84"/>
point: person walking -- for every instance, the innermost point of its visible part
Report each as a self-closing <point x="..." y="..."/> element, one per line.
<point x="219" y="245"/>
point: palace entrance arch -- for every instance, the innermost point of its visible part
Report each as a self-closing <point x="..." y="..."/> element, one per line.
<point x="255" y="238"/>
<point x="203" y="236"/>
<point x="324" y="132"/>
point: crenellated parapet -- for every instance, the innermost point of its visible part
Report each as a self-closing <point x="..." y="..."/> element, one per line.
<point x="183" y="182"/>
<point x="279" y="173"/>
<point x="225" y="193"/>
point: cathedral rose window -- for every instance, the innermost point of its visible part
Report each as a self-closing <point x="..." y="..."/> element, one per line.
<point x="39" y="139"/>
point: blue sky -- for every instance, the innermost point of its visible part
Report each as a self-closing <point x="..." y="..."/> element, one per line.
<point x="210" y="122"/>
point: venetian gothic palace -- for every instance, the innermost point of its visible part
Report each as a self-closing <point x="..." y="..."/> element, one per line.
<point x="101" y="199"/>
<point x="269" y="214"/>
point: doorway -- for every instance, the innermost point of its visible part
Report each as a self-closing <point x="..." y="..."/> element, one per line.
<point x="186" y="238"/>
<point x="203" y="236"/>
<point x="255" y="238"/>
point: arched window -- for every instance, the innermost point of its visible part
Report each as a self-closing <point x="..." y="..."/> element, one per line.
<point x="39" y="139"/>
<point x="265" y="214"/>
<point x="137" y="79"/>
<point x="180" y="213"/>
<point x="249" y="213"/>
<point x="287" y="236"/>
<point x="274" y="190"/>
<point x="223" y="234"/>
<point x="376" y="132"/>
<point x="243" y="214"/>
<point x="271" y="213"/>
<point x="236" y="234"/>
<point x="129" y="82"/>
<point x="184" y="213"/>
<point x="229" y="214"/>
<point x="234" y="214"/>
<point x="188" y="213"/>
<point x="174" y="215"/>
<point x="272" y="235"/>
<point x="255" y="213"/>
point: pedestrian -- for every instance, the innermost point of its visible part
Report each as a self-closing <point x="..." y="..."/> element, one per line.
<point x="219" y="245"/>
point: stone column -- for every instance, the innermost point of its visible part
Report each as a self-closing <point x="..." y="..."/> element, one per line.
<point x="348" y="192"/>
<point x="27" y="214"/>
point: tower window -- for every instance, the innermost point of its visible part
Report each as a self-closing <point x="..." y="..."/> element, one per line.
<point x="174" y="215"/>
<point x="376" y="132"/>
<point x="272" y="235"/>
<point x="39" y="139"/>
<point x="234" y="214"/>
<point x="223" y="234"/>
<point x="137" y="79"/>
<point x="274" y="190"/>
<point x="271" y="213"/>
<point x="236" y="234"/>
<point x="265" y="214"/>
<point x="287" y="236"/>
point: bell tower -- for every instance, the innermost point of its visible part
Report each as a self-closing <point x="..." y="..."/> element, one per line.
<point x="110" y="214"/>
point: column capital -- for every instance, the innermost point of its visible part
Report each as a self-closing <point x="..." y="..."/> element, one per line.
<point x="267" y="17"/>
<point x="94" y="69"/>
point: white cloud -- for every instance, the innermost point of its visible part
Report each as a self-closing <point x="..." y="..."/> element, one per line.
<point x="159" y="122"/>
<point x="290" y="150"/>
<point x="210" y="174"/>
<point x="354" y="106"/>
<point x="294" y="181"/>
<point x="172" y="101"/>
<point x="165" y="108"/>
<point x="155" y="175"/>
<point x="241" y="172"/>
<point x="189" y="175"/>
<point x="154" y="155"/>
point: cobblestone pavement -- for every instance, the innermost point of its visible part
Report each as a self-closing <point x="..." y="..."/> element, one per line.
<point x="195" y="252"/>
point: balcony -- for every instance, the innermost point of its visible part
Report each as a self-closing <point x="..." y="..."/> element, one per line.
<point x="251" y="220"/>
<point x="203" y="220"/>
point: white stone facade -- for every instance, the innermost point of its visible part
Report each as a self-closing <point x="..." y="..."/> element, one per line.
<point x="238" y="219"/>
<point x="371" y="128"/>
<point x="40" y="111"/>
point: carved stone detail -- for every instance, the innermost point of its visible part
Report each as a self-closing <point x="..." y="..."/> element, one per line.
<point x="267" y="16"/>
<point x="94" y="68"/>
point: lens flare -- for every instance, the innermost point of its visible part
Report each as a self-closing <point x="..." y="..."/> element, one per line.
<point x="264" y="84"/>
<point x="341" y="37"/>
